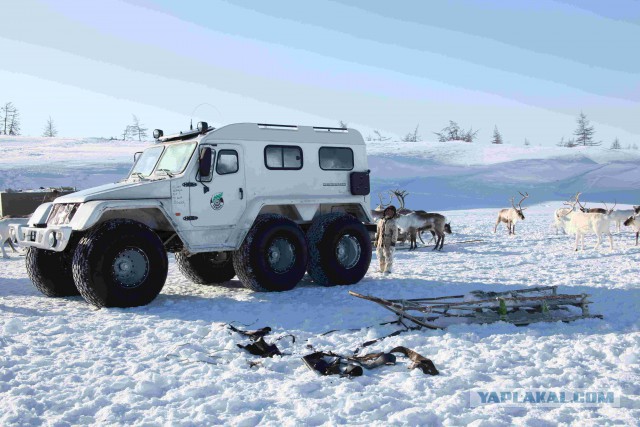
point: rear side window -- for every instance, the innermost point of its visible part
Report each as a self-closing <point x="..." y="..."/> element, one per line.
<point x="283" y="157"/>
<point x="336" y="159"/>
<point x="227" y="162"/>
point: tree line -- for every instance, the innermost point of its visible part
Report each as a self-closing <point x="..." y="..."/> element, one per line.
<point x="10" y="125"/>
<point x="584" y="135"/>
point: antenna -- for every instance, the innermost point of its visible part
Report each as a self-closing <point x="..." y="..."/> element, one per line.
<point x="209" y="105"/>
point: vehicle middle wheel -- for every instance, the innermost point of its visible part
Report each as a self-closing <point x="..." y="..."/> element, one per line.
<point x="339" y="250"/>
<point x="273" y="256"/>
<point x="120" y="263"/>
<point x="206" y="268"/>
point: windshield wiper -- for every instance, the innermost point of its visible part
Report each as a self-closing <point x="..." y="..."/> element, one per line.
<point x="167" y="171"/>
<point x="139" y="175"/>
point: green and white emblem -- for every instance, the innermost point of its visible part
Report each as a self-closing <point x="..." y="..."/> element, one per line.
<point x="217" y="202"/>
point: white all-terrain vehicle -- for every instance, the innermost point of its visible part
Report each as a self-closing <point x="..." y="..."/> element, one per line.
<point x="263" y="202"/>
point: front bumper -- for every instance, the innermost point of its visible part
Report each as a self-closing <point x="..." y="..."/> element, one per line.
<point x="53" y="238"/>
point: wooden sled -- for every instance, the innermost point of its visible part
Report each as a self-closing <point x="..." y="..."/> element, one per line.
<point x="520" y="307"/>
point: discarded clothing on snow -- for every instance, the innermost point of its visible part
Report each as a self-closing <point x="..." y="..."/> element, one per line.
<point x="259" y="347"/>
<point x="329" y="363"/>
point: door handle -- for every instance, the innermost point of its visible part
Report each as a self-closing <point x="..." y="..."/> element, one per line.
<point x="241" y="194"/>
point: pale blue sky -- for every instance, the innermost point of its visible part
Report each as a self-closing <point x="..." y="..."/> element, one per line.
<point x="528" y="67"/>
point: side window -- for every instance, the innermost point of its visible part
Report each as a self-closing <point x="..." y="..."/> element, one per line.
<point x="336" y="159"/>
<point x="201" y="154"/>
<point x="227" y="162"/>
<point x="283" y="157"/>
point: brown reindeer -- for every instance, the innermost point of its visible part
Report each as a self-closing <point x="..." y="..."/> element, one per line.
<point x="511" y="215"/>
<point x="420" y="220"/>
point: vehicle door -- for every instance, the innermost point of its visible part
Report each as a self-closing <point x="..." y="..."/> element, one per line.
<point x="218" y="201"/>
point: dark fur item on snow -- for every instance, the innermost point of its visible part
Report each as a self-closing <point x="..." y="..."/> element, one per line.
<point x="259" y="347"/>
<point x="331" y="363"/>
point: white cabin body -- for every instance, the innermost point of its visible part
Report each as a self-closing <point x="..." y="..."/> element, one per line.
<point x="297" y="171"/>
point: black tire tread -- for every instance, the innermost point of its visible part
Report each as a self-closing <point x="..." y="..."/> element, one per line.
<point x="81" y="259"/>
<point x="198" y="268"/>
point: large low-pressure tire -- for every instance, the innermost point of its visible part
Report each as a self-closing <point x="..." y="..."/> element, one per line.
<point x="50" y="271"/>
<point x="273" y="256"/>
<point x="207" y="268"/>
<point x="120" y="263"/>
<point x="339" y="250"/>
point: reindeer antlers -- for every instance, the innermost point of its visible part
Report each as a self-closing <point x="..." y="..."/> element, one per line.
<point x="607" y="207"/>
<point x="400" y="195"/>
<point x="382" y="203"/>
<point x="524" y="196"/>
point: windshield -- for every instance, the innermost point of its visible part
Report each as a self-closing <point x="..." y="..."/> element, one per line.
<point x="175" y="158"/>
<point x="147" y="161"/>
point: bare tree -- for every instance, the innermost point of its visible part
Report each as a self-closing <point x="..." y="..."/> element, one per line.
<point x="497" y="138"/>
<point x="50" y="129"/>
<point x="635" y="146"/>
<point x="453" y="132"/>
<point x="584" y="133"/>
<point x="379" y="136"/>
<point x="126" y="133"/>
<point x="137" y="129"/>
<point x="569" y="143"/>
<point x="10" y="119"/>
<point x="615" y="145"/>
<point x="526" y="142"/>
<point x="412" y="136"/>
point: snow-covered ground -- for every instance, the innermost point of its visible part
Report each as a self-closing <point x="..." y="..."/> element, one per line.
<point x="175" y="362"/>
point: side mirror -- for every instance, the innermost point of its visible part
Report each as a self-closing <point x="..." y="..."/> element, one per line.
<point x="205" y="162"/>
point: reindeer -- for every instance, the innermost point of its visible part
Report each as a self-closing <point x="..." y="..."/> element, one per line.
<point x="583" y="208"/>
<point x="420" y="220"/>
<point x="621" y="215"/>
<point x="634" y="223"/>
<point x="4" y="232"/>
<point x="511" y="215"/>
<point x="584" y="222"/>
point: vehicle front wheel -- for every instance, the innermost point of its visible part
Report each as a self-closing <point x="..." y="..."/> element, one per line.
<point x="339" y="250"/>
<point x="120" y="263"/>
<point x="206" y="268"/>
<point x="273" y="256"/>
<point x="50" y="271"/>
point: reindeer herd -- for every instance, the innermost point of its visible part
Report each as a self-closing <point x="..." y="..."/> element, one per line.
<point x="574" y="218"/>
<point x="413" y="223"/>
<point x="596" y="221"/>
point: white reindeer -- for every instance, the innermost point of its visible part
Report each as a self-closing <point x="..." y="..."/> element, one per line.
<point x="558" y="222"/>
<point x="512" y="215"/>
<point x="582" y="223"/>
<point x="634" y="223"/>
<point x="621" y="215"/>
<point x="4" y="233"/>
<point x="417" y="221"/>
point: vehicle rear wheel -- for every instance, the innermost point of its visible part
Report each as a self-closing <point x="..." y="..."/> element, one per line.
<point x="50" y="271"/>
<point x="120" y="263"/>
<point x="273" y="256"/>
<point x="207" y="268"/>
<point x="339" y="250"/>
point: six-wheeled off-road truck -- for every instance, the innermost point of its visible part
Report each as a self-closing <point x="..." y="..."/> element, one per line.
<point x="265" y="203"/>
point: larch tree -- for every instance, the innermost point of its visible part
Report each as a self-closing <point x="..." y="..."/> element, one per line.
<point x="50" y="129"/>
<point x="497" y="137"/>
<point x="584" y="132"/>
<point x="137" y="129"/>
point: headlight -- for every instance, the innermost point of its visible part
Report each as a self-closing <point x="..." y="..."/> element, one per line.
<point x="62" y="213"/>
<point x="53" y="241"/>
